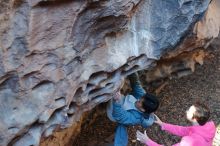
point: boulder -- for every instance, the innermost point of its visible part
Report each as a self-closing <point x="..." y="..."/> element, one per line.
<point x="61" y="58"/>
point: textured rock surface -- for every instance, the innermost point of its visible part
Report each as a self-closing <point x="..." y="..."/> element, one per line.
<point x="59" y="59"/>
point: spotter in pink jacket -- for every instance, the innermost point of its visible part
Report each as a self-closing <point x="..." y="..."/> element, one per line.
<point x="191" y="135"/>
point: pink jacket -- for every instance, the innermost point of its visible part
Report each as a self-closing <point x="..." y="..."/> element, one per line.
<point x="191" y="135"/>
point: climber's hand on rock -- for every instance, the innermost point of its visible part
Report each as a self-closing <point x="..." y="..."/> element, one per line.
<point x="117" y="96"/>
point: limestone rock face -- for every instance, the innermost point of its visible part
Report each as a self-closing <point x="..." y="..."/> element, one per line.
<point x="60" y="58"/>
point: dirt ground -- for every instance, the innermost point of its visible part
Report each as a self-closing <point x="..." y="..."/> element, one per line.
<point x="176" y="97"/>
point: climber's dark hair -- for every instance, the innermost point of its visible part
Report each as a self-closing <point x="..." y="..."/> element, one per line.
<point x="202" y="113"/>
<point x="150" y="103"/>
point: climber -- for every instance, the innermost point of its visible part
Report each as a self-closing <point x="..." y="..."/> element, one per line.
<point x="134" y="109"/>
<point x="200" y="134"/>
